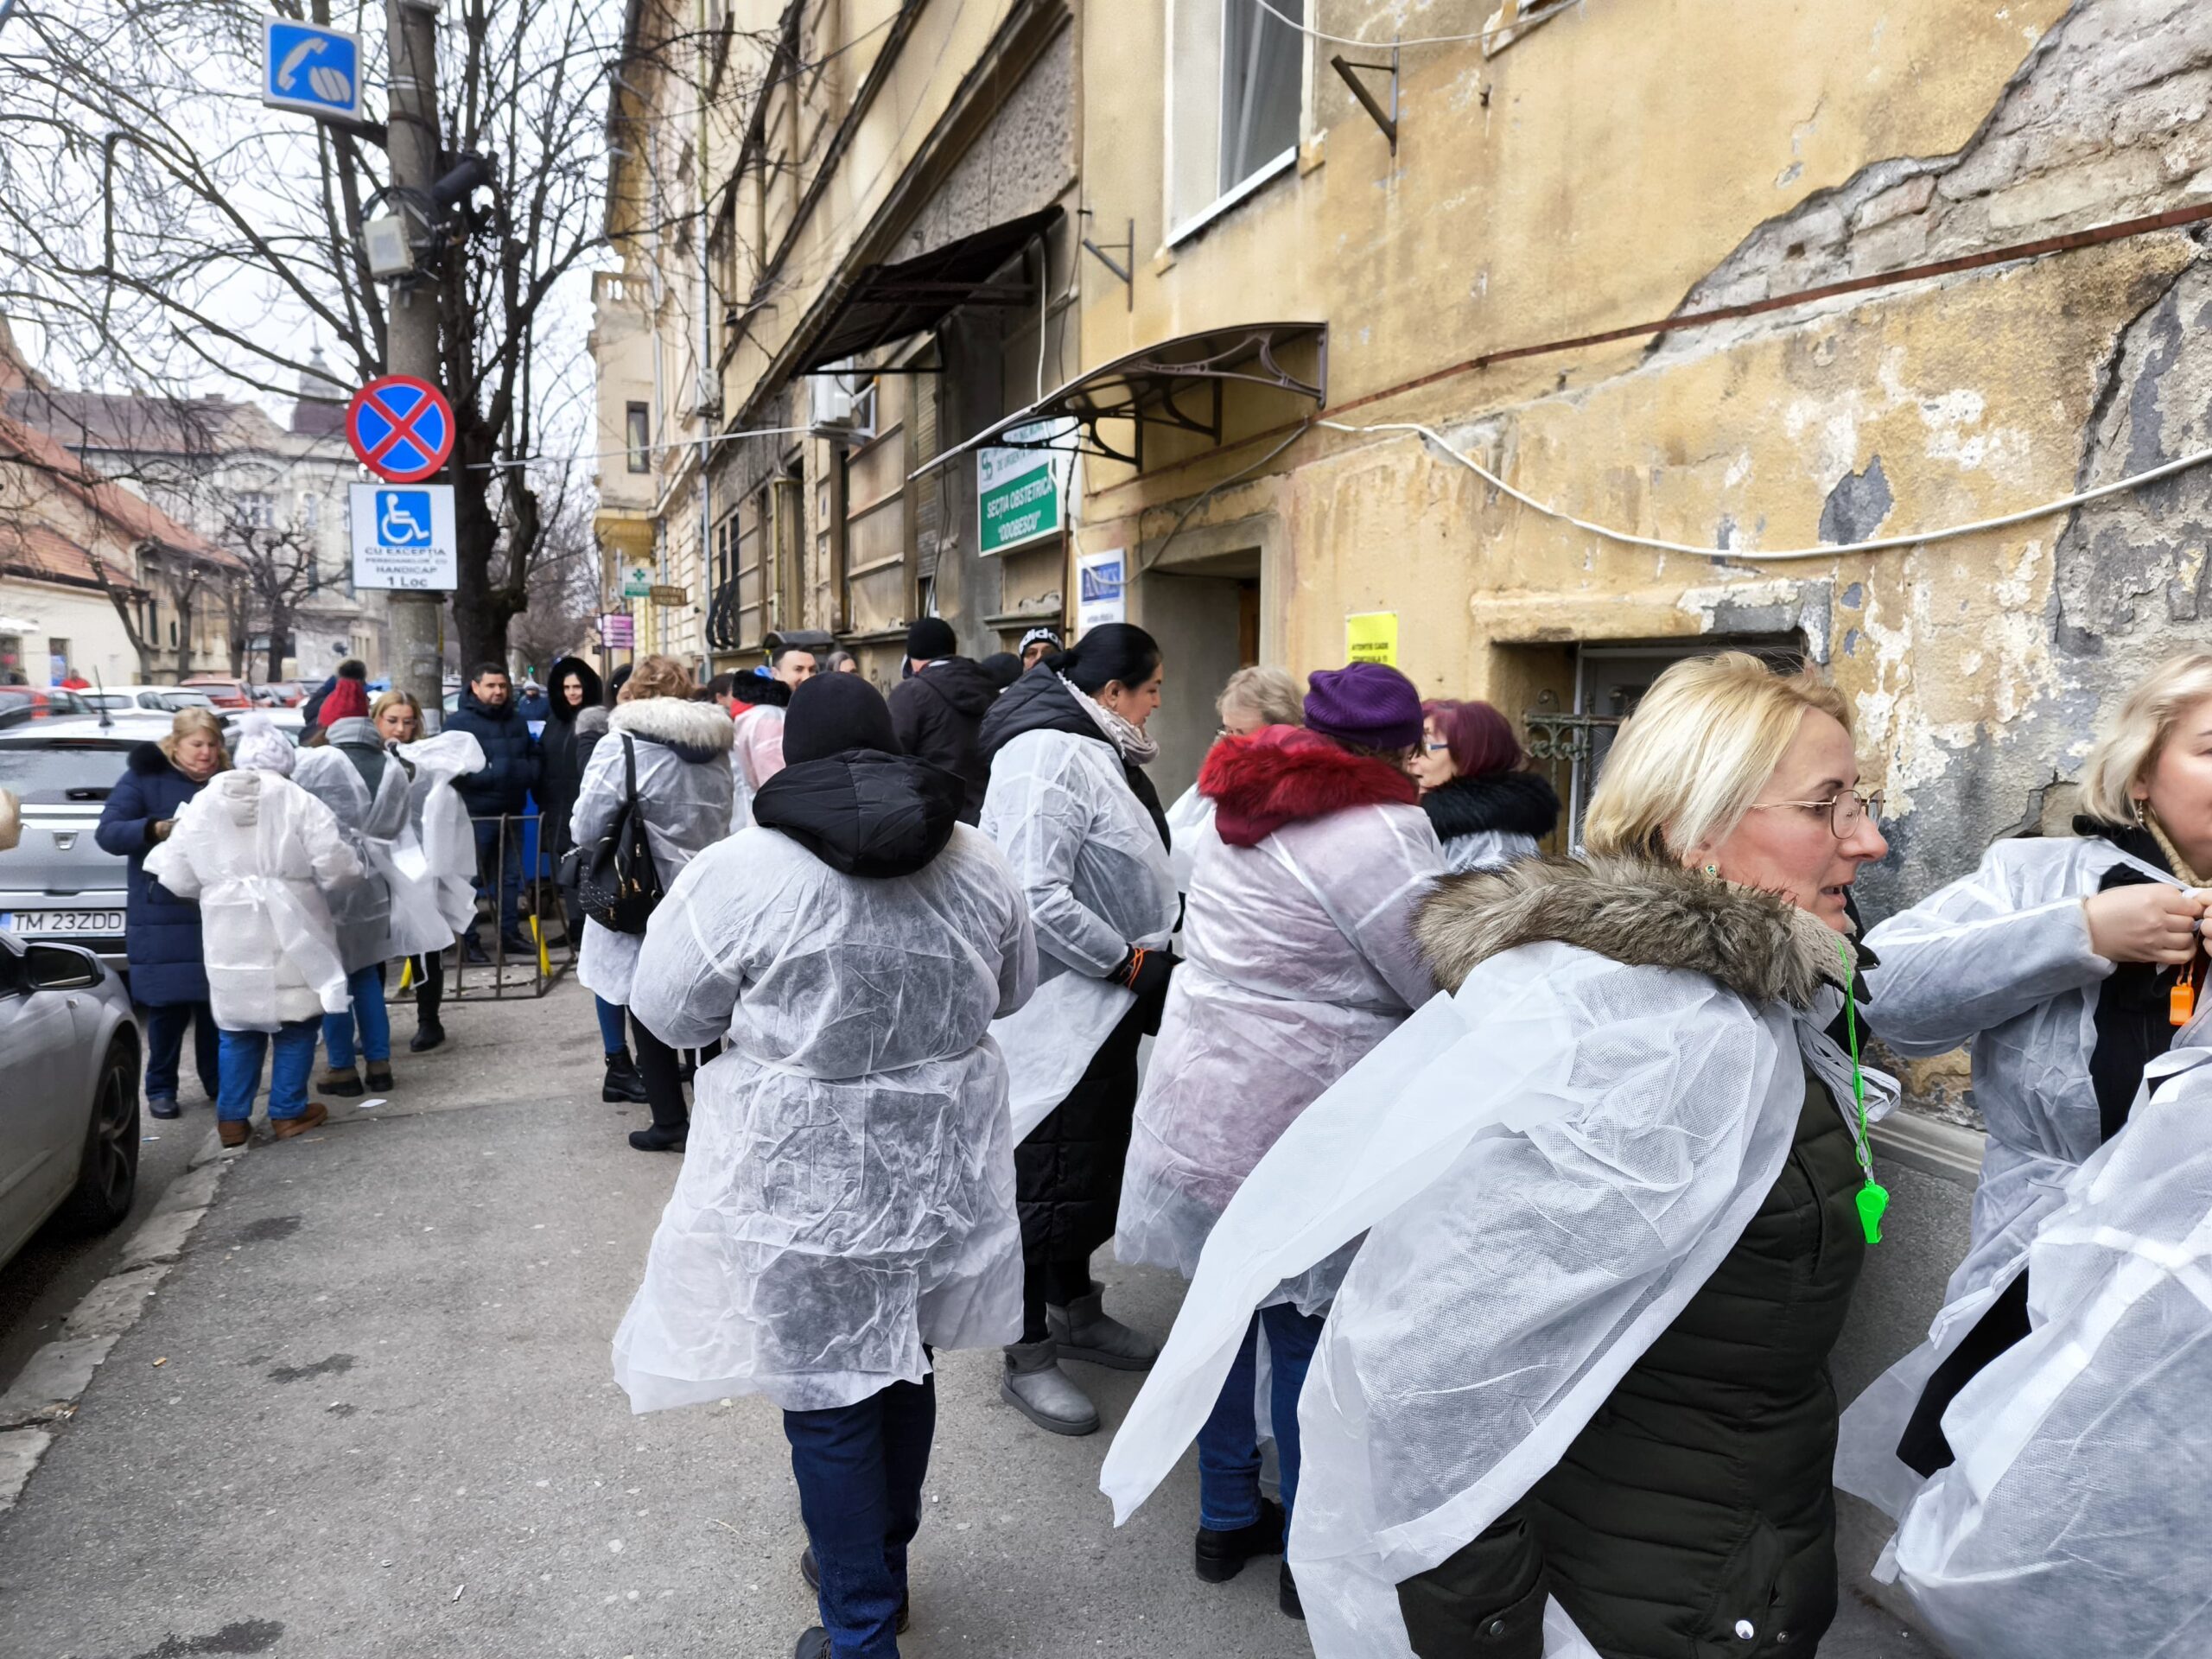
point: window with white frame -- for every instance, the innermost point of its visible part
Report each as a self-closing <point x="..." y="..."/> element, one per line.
<point x="257" y="509"/>
<point x="310" y="513"/>
<point x="1237" y="82"/>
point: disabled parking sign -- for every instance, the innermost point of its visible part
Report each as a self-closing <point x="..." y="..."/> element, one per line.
<point x="403" y="536"/>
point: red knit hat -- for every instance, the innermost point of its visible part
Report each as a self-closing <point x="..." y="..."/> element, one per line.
<point x="348" y="699"/>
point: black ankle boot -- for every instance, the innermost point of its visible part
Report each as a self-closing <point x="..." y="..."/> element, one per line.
<point x="1222" y="1555"/>
<point x="624" y="1085"/>
<point x="659" y="1139"/>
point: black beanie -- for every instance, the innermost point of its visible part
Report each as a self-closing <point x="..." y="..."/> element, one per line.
<point x="832" y="713"/>
<point x="931" y="639"/>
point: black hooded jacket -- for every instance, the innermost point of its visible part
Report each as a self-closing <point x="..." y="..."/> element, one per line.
<point x="862" y="812"/>
<point x="1040" y="701"/>
<point x="937" y="713"/>
<point x="561" y="757"/>
<point x="1514" y="803"/>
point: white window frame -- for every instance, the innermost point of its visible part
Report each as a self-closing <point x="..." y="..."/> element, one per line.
<point x="1190" y="225"/>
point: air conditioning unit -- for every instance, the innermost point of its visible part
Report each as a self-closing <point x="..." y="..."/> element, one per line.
<point x="844" y="403"/>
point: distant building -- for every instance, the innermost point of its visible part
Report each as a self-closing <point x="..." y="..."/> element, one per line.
<point x="229" y="471"/>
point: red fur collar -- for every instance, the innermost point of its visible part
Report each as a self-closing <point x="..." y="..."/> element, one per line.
<point x="1286" y="775"/>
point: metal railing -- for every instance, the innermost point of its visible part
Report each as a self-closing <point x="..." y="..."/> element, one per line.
<point x="541" y="915"/>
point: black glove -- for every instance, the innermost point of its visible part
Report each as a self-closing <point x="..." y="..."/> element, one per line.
<point x="1145" y="969"/>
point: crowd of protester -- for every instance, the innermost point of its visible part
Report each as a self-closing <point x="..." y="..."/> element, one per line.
<point x="1522" y="1198"/>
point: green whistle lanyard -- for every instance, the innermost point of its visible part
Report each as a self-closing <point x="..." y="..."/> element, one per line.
<point x="1873" y="1197"/>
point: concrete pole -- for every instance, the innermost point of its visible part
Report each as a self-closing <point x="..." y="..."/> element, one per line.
<point x="411" y="334"/>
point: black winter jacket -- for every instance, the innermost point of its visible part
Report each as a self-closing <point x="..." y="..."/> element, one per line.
<point x="161" y="930"/>
<point x="936" y="715"/>
<point x="1694" y="1516"/>
<point x="510" y="757"/>
<point x="561" y="757"/>
<point x="863" y="813"/>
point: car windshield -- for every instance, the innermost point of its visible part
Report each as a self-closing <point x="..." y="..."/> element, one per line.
<point x="185" y="700"/>
<point x="63" y="769"/>
<point x="109" y="699"/>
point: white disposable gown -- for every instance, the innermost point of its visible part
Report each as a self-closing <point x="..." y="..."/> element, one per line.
<point x="683" y="779"/>
<point x="2077" y="1518"/>
<point x="1645" y="1111"/>
<point x="755" y="756"/>
<point x="1298" y="957"/>
<point x="386" y="914"/>
<point x="846" y="1193"/>
<point x="440" y="861"/>
<point x="1999" y="961"/>
<point x="259" y="853"/>
<point x="1097" y="878"/>
<point x="1188" y="820"/>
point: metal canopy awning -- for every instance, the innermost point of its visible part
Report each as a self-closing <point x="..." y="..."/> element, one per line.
<point x="1176" y="384"/>
<point x="889" y="303"/>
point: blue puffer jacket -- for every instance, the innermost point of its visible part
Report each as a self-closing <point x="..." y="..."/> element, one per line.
<point x="161" y="932"/>
<point x="510" y="757"/>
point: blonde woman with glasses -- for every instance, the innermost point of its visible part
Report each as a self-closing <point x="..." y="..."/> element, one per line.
<point x="1616" y="1189"/>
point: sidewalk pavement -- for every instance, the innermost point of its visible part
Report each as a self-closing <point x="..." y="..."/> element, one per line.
<point x="369" y="1414"/>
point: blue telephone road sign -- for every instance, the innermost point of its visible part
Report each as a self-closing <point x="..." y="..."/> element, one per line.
<point x="401" y="428"/>
<point x="306" y="67"/>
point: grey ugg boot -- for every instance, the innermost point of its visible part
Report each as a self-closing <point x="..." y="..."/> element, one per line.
<point x="1083" y="1330"/>
<point x="1035" y="1386"/>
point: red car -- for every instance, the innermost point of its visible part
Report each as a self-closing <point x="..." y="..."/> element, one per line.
<point x="223" y="693"/>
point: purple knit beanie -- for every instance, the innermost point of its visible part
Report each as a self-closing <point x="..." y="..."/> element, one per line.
<point x="1367" y="704"/>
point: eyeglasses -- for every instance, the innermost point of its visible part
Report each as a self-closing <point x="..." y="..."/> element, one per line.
<point x="1845" y="812"/>
<point x="1437" y="746"/>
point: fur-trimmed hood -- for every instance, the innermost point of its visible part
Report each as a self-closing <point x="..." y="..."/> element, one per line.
<point x="1757" y="945"/>
<point x="1286" y="775"/>
<point x="696" y="731"/>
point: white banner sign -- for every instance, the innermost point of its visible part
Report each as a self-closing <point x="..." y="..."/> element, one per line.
<point x="403" y="536"/>
<point x="1101" y="595"/>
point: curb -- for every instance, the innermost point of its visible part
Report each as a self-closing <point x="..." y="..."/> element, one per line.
<point x="54" y="1378"/>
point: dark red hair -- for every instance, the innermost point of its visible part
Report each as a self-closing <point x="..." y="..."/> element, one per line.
<point x="1481" y="740"/>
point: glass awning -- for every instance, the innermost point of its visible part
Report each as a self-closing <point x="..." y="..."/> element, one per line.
<point x="1177" y="383"/>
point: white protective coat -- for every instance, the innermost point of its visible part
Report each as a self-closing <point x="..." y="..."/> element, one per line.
<point x="1188" y="819"/>
<point x="1089" y="858"/>
<point x="385" y="915"/>
<point x="1647" y="1110"/>
<point x="259" y="853"/>
<point x="441" y="859"/>
<point x="1299" y="958"/>
<point x="755" y="756"/>
<point x="847" y="1194"/>
<point x="1999" y="961"/>
<point x="687" y="808"/>
<point x="2077" y="1519"/>
<point x="1486" y="849"/>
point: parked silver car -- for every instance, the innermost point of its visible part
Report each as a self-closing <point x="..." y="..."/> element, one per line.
<point x="59" y="883"/>
<point x="69" y="1091"/>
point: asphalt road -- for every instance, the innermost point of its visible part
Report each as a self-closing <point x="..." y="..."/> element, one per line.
<point x="369" y="1414"/>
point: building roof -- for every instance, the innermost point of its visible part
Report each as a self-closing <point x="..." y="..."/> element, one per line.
<point x="41" y="553"/>
<point x="135" y="520"/>
<point x="188" y="428"/>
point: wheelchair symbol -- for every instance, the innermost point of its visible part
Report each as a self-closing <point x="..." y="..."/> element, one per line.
<point x="404" y="517"/>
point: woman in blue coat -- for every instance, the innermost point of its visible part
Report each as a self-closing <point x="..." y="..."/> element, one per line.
<point x="169" y="980"/>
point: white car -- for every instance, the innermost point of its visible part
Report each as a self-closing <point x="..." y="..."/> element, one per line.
<point x="59" y="883"/>
<point x="146" y="699"/>
<point x="69" y="1091"/>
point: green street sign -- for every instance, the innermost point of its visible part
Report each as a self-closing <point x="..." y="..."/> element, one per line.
<point x="638" y="583"/>
<point x="1018" y="491"/>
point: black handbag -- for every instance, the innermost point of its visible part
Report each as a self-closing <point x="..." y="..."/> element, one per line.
<point x="617" y="883"/>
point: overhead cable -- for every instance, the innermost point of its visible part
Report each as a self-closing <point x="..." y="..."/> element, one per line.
<point x="1535" y="14"/>
<point x="1759" y="556"/>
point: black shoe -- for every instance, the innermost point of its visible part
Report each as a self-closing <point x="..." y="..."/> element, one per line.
<point x="810" y="1570"/>
<point x="1286" y="1595"/>
<point x="813" y="1644"/>
<point x="652" y="1139"/>
<point x="515" y="946"/>
<point x="429" y="1034"/>
<point x="1222" y="1555"/>
<point x="473" y="954"/>
<point x="162" y="1106"/>
<point x="623" y="1086"/>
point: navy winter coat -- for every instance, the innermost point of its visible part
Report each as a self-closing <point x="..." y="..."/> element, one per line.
<point x="510" y="757"/>
<point x="161" y="930"/>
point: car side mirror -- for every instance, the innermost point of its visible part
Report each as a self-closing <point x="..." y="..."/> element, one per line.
<point x="60" y="968"/>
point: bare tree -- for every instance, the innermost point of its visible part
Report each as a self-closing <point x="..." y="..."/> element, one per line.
<point x="280" y="572"/>
<point x="160" y="232"/>
<point x="562" y="583"/>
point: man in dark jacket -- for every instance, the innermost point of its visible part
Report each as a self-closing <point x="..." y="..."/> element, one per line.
<point x="936" y="710"/>
<point x="497" y="798"/>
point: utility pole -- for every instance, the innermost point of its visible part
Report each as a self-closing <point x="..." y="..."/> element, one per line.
<point x="411" y="330"/>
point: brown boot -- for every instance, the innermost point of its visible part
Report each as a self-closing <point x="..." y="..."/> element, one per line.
<point x="283" y="1128"/>
<point x="346" y="1082"/>
<point x="379" y="1074"/>
<point x="235" y="1131"/>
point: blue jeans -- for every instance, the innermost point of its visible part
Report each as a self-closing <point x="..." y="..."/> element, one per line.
<point x="165" y="1047"/>
<point x="488" y="853"/>
<point x="288" y="1071"/>
<point x="860" y="1470"/>
<point x="1228" y="1444"/>
<point x="368" y="986"/>
<point x="612" y="1036"/>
